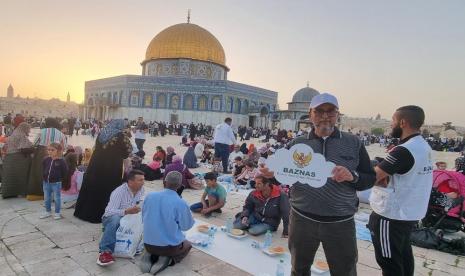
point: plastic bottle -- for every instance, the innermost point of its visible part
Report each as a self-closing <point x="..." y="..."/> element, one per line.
<point x="280" y="268"/>
<point x="268" y="239"/>
<point x="211" y="235"/>
<point x="229" y="225"/>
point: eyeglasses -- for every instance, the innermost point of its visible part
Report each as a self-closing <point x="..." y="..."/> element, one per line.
<point x="330" y="113"/>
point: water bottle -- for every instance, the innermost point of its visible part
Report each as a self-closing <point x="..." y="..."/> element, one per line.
<point x="268" y="239"/>
<point x="211" y="235"/>
<point x="229" y="225"/>
<point x="280" y="268"/>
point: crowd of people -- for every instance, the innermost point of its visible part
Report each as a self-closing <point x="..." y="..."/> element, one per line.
<point x="107" y="183"/>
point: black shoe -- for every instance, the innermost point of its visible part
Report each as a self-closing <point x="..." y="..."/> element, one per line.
<point x="218" y="211"/>
<point x="163" y="262"/>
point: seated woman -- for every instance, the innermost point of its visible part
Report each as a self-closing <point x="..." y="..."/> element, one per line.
<point x="248" y="174"/>
<point x="169" y="155"/>
<point x="189" y="159"/>
<point x="263" y="209"/>
<point x="178" y="166"/>
<point x="152" y="170"/>
<point x="161" y="154"/>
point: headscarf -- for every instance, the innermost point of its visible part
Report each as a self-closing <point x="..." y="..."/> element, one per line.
<point x="244" y="149"/>
<point x="251" y="148"/>
<point x="78" y="150"/>
<point x="177" y="159"/>
<point x="169" y="150"/>
<point x="190" y="160"/>
<point x="113" y="128"/>
<point x="18" y="139"/>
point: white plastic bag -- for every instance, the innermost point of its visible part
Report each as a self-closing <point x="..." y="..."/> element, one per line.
<point x="128" y="236"/>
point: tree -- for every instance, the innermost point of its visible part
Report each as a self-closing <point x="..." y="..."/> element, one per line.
<point x="448" y="125"/>
<point x="377" y="131"/>
<point x="378" y="117"/>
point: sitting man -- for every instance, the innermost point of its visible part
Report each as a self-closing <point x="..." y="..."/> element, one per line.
<point x="165" y="216"/>
<point x="213" y="198"/>
<point x="264" y="208"/>
<point x="124" y="200"/>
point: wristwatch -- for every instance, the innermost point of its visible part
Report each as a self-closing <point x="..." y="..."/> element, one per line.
<point x="356" y="176"/>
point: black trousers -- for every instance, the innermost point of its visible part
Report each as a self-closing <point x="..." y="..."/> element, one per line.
<point x="338" y="240"/>
<point x="140" y="143"/>
<point x="391" y="240"/>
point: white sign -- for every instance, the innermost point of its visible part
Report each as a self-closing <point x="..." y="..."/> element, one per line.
<point x="300" y="164"/>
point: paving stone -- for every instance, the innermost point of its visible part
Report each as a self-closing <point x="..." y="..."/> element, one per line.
<point x="16" y="226"/>
<point x="198" y="260"/>
<point x="363" y="270"/>
<point x="23" y="238"/>
<point x="63" y="266"/>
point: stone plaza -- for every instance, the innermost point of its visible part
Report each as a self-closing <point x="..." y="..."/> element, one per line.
<point x="31" y="246"/>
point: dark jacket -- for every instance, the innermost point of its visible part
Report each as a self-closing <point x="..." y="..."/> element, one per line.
<point x="269" y="211"/>
<point x="335" y="200"/>
<point x="54" y="170"/>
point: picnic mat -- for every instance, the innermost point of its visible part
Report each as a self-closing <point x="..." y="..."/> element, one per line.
<point x="239" y="252"/>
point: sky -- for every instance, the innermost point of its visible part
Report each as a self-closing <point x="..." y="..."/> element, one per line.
<point x="375" y="56"/>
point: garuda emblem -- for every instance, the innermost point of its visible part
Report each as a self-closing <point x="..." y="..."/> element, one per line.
<point x="300" y="159"/>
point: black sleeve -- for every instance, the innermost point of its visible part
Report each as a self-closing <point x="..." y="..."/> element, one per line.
<point x="399" y="161"/>
<point x="367" y="175"/>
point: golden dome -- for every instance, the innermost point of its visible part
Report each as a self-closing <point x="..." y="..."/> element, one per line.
<point x="186" y="40"/>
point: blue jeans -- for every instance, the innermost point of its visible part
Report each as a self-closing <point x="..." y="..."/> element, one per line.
<point x="108" y="241"/>
<point x="255" y="227"/>
<point x="222" y="150"/>
<point x="52" y="189"/>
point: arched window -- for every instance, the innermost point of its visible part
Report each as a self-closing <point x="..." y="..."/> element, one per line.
<point x="237" y="105"/>
<point x="188" y="102"/>
<point x="245" y="107"/>
<point x="161" y="101"/>
<point x="134" y="100"/>
<point x="229" y="104"/>
<point x="216" y="103"/>
<point x="202" y="103"/>
<point x="148" y="100"/>
<point x="174" y="102"/>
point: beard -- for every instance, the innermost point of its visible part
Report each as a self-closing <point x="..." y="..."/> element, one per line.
<point x="326" y="128"/>
<point x="396" y="132"/>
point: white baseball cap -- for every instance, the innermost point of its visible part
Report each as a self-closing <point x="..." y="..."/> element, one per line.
<point x="322" y="99"/>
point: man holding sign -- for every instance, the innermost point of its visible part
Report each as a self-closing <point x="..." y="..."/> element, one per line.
<point x="323" y="194"/>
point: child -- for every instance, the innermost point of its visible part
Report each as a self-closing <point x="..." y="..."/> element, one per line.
<point x="213" y="198"/>
<point x="216" y="165"/>
<point x="206" y="156"/>
<point x="238" y="166"/>
<point x="441" y="165"/>
<point x="248" y="174"/>
<point x="54" y="171"/>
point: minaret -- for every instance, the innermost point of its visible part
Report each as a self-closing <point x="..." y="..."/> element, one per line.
<point x="10" y="91"/>
<point x="68" y="98"/>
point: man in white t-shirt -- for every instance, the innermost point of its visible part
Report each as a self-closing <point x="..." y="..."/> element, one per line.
<point x="400" y="196"/>
<point x="139" y="136"/>
<point x="224" y="137"/>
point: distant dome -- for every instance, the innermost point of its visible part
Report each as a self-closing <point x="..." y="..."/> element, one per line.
<point x="305" y="94"/>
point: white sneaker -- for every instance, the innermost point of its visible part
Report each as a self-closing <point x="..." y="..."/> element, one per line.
<point x="45" y="215"/>
<point x="57" y="216"/>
